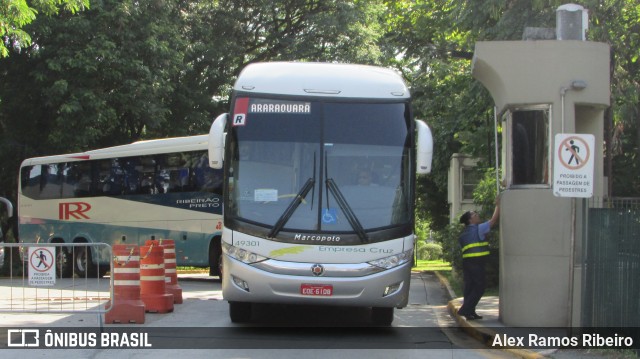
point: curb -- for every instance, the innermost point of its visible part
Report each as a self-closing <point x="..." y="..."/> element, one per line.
<point x="482" y="334"/>
<point x="444" y="281"/>
<point x="190" y="276"/>
<point x="486" y="335"/>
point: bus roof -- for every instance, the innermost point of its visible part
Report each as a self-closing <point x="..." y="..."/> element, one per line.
<point x="322" y="79"/>
<point x="164" y="145"/>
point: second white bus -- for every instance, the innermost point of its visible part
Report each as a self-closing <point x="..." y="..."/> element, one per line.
<point x="157" y="189"/>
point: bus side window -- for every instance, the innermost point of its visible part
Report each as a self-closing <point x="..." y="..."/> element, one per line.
<point x="51" y="181"/>
<point x="179" y="180"/>
<point x="79" y="178"/>
<point x="68" y="180"/>
<point x="131" y="175"/>
<point x="205" y="178"/>
<point x="148" y="166"/>
<point x="30" y="179"/>
<point x="111" y="177"/>
<point x="161" y="179"/>
<point x="178" y="166"/>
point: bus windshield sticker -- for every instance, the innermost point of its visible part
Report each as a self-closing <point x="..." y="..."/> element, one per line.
<point x="265" y="195"/>
<point x="329" y="216"/>
<point x="240" y="111"/>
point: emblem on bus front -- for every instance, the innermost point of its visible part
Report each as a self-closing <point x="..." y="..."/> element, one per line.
<point x="317" y="270"/>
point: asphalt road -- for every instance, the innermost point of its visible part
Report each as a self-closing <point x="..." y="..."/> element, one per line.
<point x="200" y="327"/>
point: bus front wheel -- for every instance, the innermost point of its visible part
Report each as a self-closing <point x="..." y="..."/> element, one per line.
<point x="382" y="316"/>
<point x="215" y="258"/>
<point x="239" y="312"/>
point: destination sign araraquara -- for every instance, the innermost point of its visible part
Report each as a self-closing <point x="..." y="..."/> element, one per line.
<point x="245" y="106"/>
<point x="279" y="106"/>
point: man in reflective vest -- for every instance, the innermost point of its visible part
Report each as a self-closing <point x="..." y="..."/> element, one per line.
<point x="475" y="250"/>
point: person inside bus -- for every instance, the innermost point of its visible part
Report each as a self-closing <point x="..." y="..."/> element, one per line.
<point x="365" y="178"/>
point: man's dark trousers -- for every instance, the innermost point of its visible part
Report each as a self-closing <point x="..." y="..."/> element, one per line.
<point x="473" y="270"/>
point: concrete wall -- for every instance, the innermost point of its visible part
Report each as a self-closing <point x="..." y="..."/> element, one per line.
<point x="539" y="271"/>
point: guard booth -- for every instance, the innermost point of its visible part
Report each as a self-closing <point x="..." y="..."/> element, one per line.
<point x="545" y="89"/>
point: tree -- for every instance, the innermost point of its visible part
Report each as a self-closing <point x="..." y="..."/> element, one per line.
<point x="432" y="43"/>
<point x="617" y="22"/>
<point x="227" y="35"/>
<point x="127" y="70"/>
<point x="425" y="40"/>
<point x="15" y="14"/>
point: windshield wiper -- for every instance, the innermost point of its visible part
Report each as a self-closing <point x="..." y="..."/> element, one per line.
<point x="346" y="209"/>
<point x="286" y="215"/>
<point x="292" y="207"/>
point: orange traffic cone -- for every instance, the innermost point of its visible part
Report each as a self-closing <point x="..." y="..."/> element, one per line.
<point x="170" y="274"/>
<point x="127" y="306"/>
<point x="152" y="281"/>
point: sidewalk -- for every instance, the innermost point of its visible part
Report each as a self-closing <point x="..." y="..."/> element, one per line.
<point x="485" y="329"/>
<point x="489" y="326"/>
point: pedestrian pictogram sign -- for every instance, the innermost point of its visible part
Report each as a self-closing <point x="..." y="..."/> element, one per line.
<point x="42" y="266"/>
<point x="573" y="165"/>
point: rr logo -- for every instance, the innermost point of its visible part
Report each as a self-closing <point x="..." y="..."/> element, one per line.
<point x="73" y="209"/>
<point x="23" y="337"/>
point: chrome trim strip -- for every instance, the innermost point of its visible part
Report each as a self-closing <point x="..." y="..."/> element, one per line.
<point x="330" y="269"/>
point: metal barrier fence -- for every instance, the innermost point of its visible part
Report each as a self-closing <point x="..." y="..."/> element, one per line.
<point x="611" y="263"/>
<point x="43" y="280"/>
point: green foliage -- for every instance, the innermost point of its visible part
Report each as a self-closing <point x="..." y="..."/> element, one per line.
<point x="16" y="14"/>
<point x="128" y="70"/>
<point x="485" y="193"/>
<point x="426" y="248"/>
<point x="448" y="238"/>
<point x="617" y="23"/>
<point x="484" y="196"/>
<point x="125" y="70"/>
<point x="431" y="265"/>
<point x="429" y="251"/>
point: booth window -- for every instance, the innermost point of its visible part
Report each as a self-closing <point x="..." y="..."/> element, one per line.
<point x="471" y="177"/>
<point x="529" y="146"/>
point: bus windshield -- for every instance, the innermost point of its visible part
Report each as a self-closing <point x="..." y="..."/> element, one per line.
<point x="309" y="167"/>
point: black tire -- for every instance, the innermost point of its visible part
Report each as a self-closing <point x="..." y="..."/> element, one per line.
<point x="64" y="263"/>
<point x="239" y="312"/>
<point x="382" y="315"/>
<point x="103" y="270"/>
<point x="83" y="263"/>
<point x="215" y="258"/>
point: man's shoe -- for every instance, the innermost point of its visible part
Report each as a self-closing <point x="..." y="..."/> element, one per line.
<point x="476" y="316"/>
<point x="469" y="317"/>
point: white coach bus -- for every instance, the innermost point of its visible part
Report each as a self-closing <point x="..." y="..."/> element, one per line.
<point x="319" y="170"/>
<point x="162" y="189"/>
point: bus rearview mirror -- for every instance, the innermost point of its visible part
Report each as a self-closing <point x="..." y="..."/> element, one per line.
<point x="216" y="141"/>
<point x="424" y="148"/>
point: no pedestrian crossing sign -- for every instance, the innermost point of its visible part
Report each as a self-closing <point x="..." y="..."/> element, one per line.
<point x="42" y="266"/>
<point x="573" y="165"/>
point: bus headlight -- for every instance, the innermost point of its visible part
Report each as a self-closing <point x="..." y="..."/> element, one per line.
<point x="240" y="254"/>
<point x="393" y="261"/>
